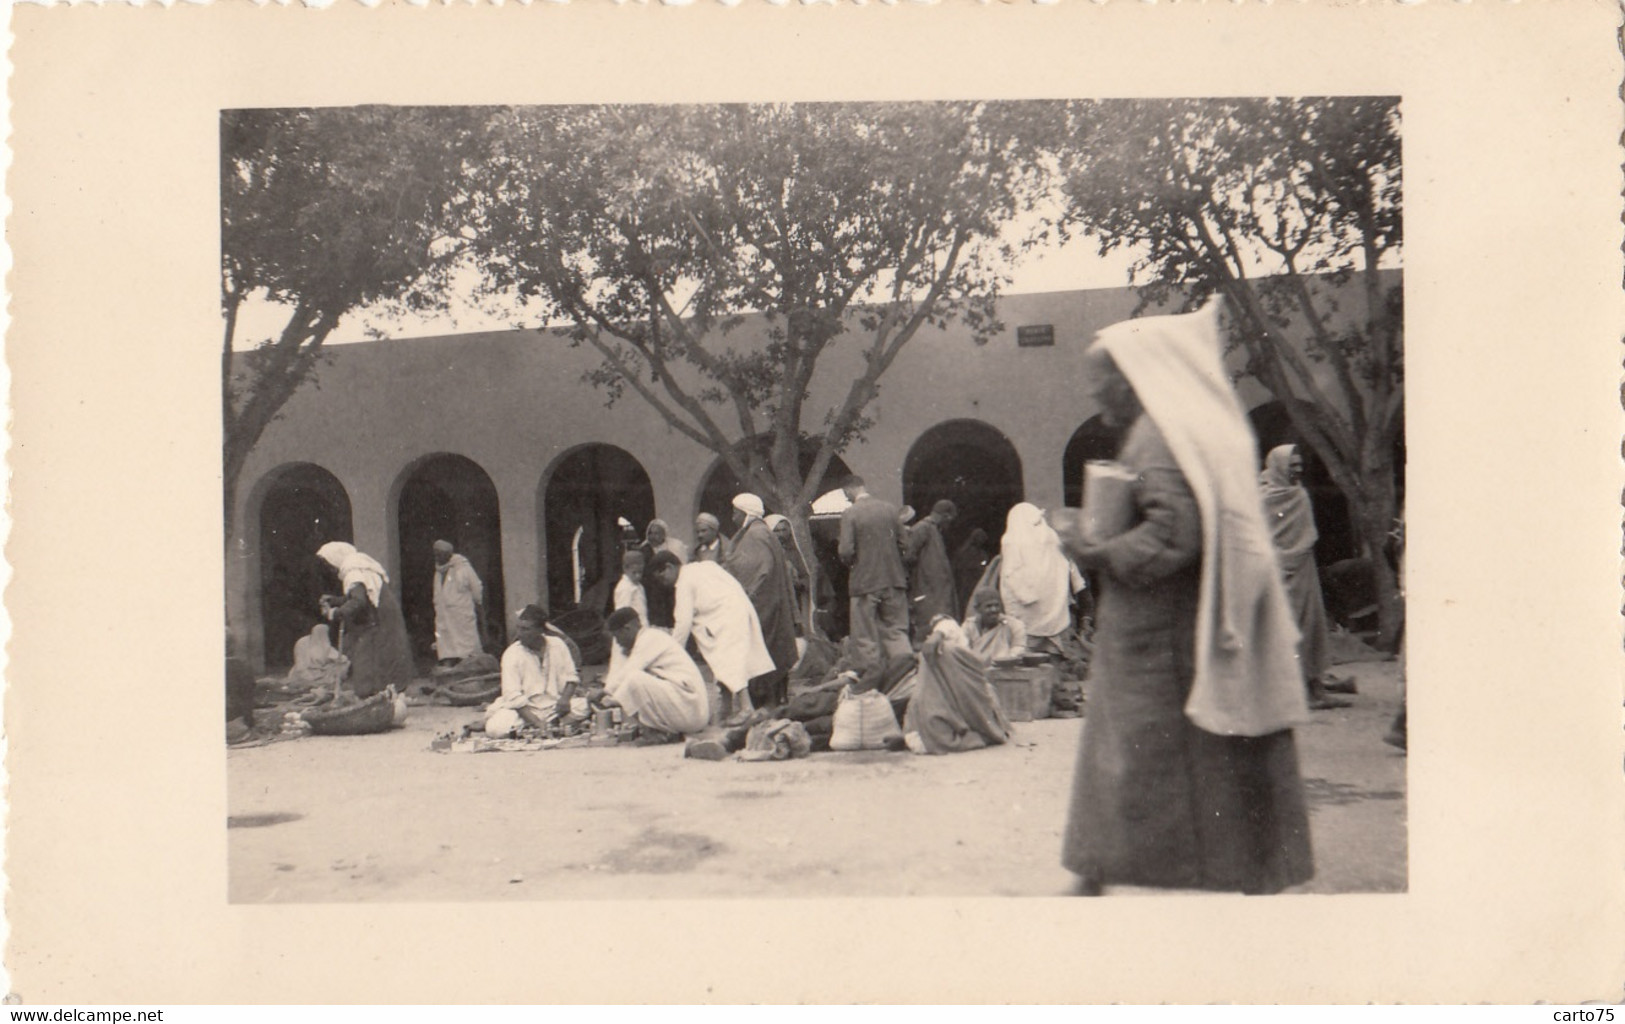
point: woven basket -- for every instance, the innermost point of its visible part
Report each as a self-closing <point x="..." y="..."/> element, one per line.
<point x="375" y="714"/>
<point x="471" y="691"/>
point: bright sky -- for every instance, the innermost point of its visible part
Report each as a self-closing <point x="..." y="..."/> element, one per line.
<point x="1073" y="266"/>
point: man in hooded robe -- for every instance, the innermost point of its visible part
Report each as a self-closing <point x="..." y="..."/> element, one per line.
<point x="317" y="664"/>
<point x="799" y="579"/>
<point x="1291" y="519"/>
<point x="459" y="606"/>
<point x="374" y="633"/>
<point x="657" y="537"/>
<point x="757" y="561"/>
<point x="1187" y="772"/>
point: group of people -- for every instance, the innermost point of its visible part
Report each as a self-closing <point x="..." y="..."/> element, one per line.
<point x="1210" y="639"/>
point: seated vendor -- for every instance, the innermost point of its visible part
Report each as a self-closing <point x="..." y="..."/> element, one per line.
<point x="990" y="632"/>
<point x="654" y="680"/>
<point x="538" y="681"/>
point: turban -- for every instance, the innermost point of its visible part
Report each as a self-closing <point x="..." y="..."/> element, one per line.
<point x="708" y="519"/>
<point x="774" y="520"/>
<point x="444" y="545"/>
<point x="749" y="504"/>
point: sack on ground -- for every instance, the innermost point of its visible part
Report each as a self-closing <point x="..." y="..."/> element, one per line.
<point x="863" y="721"/>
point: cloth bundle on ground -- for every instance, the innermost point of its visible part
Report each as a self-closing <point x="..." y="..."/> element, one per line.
<point x="953" y="709"/>
<point x="777" y="740"/>
<point x="864" y="720"/>
<point x="815" y="663"/>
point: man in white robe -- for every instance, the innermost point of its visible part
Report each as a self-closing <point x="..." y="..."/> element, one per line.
<point x="459" y="606"/>
<point x="538" y="680"/>
<point x="711" y="606"/>
<point x="654" y="679"/>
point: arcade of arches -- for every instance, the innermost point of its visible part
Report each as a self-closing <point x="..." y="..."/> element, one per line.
<point x="590" y="488"/>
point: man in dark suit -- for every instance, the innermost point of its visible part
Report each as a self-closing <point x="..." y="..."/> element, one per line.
<point x="872" y="544"/>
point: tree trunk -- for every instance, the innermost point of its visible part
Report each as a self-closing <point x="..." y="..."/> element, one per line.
<point x="801" y="529"/>
<point x="1374" y="518"/>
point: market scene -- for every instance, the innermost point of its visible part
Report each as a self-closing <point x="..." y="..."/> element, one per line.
<point x="696" y="501"/>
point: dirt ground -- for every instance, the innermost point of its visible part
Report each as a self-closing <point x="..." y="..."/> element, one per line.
<point x="384" y="818"/>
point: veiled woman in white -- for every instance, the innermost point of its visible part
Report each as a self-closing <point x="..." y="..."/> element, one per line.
<point x="1036" y="579"/>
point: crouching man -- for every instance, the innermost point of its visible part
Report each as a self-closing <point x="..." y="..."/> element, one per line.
<point x="538" y="681"/>
<point x="654" y="680"/>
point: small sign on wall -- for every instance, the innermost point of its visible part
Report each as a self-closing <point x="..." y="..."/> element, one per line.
<point x="1035" y="335"/>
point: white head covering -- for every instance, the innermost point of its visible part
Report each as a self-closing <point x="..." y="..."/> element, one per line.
<point x="749" y="504"/>
<point x="1034" y="573"/>
<point x="774" y="520"/>
<point x="1247" y="678"/>
<point x="354" y="567"/>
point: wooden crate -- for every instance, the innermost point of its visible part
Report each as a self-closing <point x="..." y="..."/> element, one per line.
<point x="1023" y="693"/>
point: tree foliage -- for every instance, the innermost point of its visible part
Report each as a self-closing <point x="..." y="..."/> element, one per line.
<point x="325" y="212"/>
<point x="653" y="231"/>
<point x="1257" y="199"/>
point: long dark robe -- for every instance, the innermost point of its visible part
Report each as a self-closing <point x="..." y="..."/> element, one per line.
<point x="375" y="642"/>
<point x="757" y="561"/>
<point x="931" y="589"/>
<point x="1155" y="800"/>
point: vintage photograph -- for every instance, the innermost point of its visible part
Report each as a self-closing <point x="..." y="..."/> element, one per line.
<point x="814" y="499"/>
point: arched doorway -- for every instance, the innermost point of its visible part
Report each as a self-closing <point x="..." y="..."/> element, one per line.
<point x="446" y="497"/>
<point x="1090" y="442"/>
<point x="972" y="465"/>
<point x="587" y="491"/>
<point x="304" y="506"/>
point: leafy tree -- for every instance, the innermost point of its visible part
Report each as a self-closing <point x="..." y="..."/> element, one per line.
<point x="325" y="212"/>
<point x="653" y="231"/>
<point x="1267" y="201"/>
